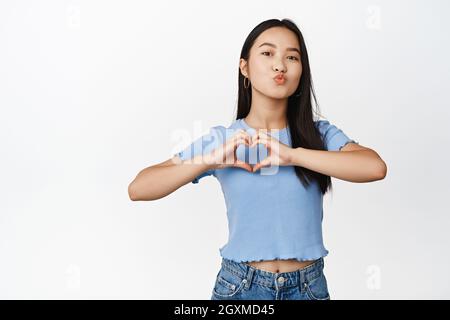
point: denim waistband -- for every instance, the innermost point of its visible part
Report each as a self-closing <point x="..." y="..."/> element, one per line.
<point x="274" y="279"/>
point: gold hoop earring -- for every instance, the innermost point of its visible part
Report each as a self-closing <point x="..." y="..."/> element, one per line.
<point x="248" y="81"/>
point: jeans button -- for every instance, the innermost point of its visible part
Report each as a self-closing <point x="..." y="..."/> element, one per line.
<point x="280" y="279"/>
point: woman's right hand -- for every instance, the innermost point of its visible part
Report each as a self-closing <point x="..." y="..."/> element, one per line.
<point x="225" y="155"/>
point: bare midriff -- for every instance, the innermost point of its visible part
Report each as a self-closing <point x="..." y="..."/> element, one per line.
<point x="278" y="266"/>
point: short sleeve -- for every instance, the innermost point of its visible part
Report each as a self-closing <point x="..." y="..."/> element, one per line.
<point x="333" y="137"/>
<point x="203" y="145"/>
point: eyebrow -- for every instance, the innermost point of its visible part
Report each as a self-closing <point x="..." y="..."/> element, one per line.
<point x="274" y="46"/>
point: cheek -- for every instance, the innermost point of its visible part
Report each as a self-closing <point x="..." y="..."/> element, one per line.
<point x="260" y="76"/>
<point x="297" y="75"/>
<point x="258" y="70"/>
<point x="299" y="71"/>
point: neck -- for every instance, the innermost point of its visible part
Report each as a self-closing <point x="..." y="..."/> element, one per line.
<point x="267" y="113"/>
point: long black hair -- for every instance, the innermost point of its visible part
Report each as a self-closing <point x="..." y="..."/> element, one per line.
<point x="299" y="111"/>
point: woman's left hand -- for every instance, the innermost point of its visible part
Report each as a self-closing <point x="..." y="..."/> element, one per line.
<point x="279" y="154"/>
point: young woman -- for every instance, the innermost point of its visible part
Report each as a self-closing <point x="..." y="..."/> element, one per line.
<point x="274" y="195"/>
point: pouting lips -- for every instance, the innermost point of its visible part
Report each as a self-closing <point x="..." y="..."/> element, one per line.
<point x="279" y="80"/>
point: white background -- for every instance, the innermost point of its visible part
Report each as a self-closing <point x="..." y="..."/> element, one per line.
<point x="92" y="92"/>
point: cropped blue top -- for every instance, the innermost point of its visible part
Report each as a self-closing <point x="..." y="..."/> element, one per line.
<point x="271" y="215"/>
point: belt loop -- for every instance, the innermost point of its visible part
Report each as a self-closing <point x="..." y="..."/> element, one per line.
<point x="302" y="280"/>
<point x="249" y="277"/>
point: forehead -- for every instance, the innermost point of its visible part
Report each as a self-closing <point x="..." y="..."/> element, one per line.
<point x="279" y="36"/>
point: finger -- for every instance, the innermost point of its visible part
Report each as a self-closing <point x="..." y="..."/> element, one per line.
<point x="240" y="141"/>
<point x="243" y="165"/>
<point x="268" y="136"/>
<point x="255" y="136"/>
<point x="245" y="136"/>
<point x="263" y="133"/>
<point x="264" y="163"/>
<point x="255" y="141"/>
<point x="263" y="141"/>
<point x="243" y="133"/>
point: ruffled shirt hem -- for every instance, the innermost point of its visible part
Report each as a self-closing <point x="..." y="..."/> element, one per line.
<point x="247" y="258"/>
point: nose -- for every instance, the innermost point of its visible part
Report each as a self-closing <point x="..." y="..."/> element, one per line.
<point x="278" y="65"/>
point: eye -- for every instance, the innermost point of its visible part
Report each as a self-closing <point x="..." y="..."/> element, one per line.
<point x="264" y="53"/>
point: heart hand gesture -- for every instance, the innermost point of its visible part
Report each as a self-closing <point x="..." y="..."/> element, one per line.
<point x="225" y="155"/>
<point x="279" y="154"/>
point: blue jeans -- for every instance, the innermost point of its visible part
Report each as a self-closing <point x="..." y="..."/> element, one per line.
<point x="241" y="281"/>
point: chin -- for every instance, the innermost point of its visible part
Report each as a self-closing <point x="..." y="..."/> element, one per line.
<point x="279" y="93"/>
<point x="278" y="96"/>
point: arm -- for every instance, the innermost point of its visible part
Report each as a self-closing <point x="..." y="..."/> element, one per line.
<point x="353" y="163"/>
<point x="160" y="180"/>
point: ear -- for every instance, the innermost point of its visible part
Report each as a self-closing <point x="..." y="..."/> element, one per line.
<point x="243" y="66"/>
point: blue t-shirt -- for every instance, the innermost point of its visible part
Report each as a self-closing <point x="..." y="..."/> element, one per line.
<point x="270" y="213"/>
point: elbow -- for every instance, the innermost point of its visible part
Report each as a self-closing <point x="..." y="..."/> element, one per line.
<point x="132" y="194"/>
<point x="135" y="195"/>
<point x="382" y="171"/>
